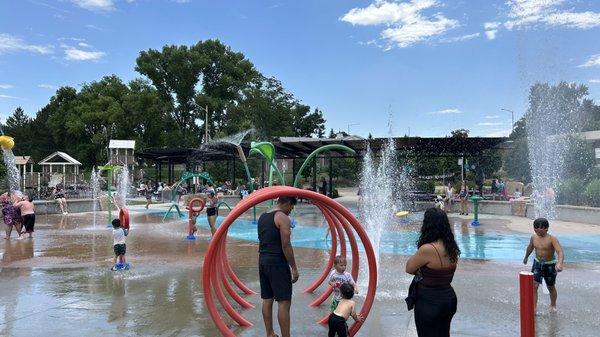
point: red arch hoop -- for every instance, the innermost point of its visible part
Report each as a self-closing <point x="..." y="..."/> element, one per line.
<point x="216" y="268"/>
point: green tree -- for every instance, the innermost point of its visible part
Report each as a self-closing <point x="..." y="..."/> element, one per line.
<point x="92" y="119"/>
<point x="18" y="126"/>
<point x="178" y="71"/>
<point x="175" y="71"/>
<point x="146" y="119"/>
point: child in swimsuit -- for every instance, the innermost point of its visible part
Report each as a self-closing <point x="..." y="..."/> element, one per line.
<point x="27" y="210"/>
<point x="337" y="278"/>
<point x="346" y="308"/>
<point x="545" y="263"/>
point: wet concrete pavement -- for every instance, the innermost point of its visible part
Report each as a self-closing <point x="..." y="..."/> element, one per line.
<point x="60" y="284"/>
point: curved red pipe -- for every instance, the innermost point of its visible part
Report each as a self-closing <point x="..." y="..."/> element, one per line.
<point x="237" y="317"/>
<point x="270" y="193"/>
<point x="220" y="268"/>
<point x="332" y="252"/>
<point x="355" y="261"/>
<point x="341" y="227"/>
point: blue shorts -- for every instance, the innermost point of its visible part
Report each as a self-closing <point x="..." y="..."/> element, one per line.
<point x="544" y="270"/>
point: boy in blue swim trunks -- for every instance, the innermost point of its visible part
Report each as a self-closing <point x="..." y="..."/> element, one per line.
<point x="545" y="264"/>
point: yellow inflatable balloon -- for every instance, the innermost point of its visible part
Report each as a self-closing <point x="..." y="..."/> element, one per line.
<point x="7" y="142"/>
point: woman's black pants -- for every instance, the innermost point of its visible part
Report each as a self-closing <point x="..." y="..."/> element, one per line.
<point x="434" y="310"/>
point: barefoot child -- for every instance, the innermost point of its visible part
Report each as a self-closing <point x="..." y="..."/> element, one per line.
<point x="545" y="264"/>
<point x="10" y="215"/>
<point x="27" y="213"/>
<point x="192" y="229"/>
<point x="119" y="246"/>
<point x="337" y="278"/>
<point x="346" y="308"/>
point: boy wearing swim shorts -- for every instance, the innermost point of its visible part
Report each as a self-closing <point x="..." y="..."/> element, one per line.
<point x="119" y="245"/>
<point x="346" y="308"/>
<point x="545" y="264"/>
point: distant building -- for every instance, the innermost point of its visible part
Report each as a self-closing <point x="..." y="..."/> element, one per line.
<point x="122" y="152"/>
<point x="60" y="163"/>
<point x="593" y="137"/>
<point x="26" y="180"/>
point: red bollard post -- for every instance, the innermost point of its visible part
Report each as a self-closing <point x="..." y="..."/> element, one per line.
<point x="526" y="299"/>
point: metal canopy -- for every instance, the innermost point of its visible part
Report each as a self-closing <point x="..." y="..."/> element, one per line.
<point x="182" y="156"/>
<point x="301" y="147"/>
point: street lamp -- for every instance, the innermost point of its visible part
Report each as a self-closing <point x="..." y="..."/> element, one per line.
<point x="512" y="116"/>
<point x="205" y="122"/>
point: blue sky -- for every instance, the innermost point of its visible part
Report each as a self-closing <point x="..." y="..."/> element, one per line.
<point x="436" y="65"/>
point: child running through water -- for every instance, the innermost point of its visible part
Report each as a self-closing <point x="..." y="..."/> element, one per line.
<point x="27" y="213"/>
<point x="545" y="263"/>
<point x="119" y="246"/>
<point x="345" y="308"/>
<point x="337" y="278"/>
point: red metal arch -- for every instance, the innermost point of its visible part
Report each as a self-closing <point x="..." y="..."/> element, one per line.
<point x="216" y="267"/>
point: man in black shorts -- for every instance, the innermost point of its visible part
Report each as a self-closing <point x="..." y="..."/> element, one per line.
<point x="276" y="264"/>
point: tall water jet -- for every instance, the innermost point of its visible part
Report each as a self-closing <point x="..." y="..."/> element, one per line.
<point x="554" y="114"/>
<point x="377" y="190"/>
<point x="95" y="184"/>
<point x="12" y="172"/>
<point x="123" y="186"/>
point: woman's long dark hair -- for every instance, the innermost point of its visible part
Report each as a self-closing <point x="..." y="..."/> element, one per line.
<point x="435" y="227"/>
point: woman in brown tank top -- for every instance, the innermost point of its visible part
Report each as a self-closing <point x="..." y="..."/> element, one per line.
<point x="435" y="261"/>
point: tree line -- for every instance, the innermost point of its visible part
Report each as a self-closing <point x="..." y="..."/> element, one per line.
<point x="183" y="90"/>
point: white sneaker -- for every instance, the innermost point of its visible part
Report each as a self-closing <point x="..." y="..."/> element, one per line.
<point x="65" y="213"/>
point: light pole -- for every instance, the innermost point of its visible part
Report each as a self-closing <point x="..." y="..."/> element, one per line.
<point x="512" y="116"/>
<point x="205" y="122"/>
<point x="349" y="125"/>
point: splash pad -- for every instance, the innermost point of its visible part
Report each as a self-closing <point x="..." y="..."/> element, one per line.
<point x="217" y="270"/>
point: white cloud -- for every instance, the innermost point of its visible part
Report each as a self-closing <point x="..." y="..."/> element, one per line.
<point x="490" y="124"/>
<point x="6" y="86"/>
<point x="445" y="112"/>
<point x="491" y="29"/>
<point x="499" y="133"/>
<point x="595" y="80"/>
<point x="95" y="5"/>
<point x="47" y="86"/>
<point x="84" y="45"/>
<point x="406" y="25"/>
<point x="526" y="13"/>
<point x="460" y="38"/>
<point x="594" y="61"/>
<point x="74" y="54"/>
<point x="9" y="43"/>
<point x="9" y="97"/>
<point x="492" y="117"/>
<point x="93" y="27"/>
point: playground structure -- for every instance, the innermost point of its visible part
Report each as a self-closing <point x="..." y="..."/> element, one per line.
<point x="110" y="169"/>
<point x="217" y="271"/>
<point x="184" y="177"/>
